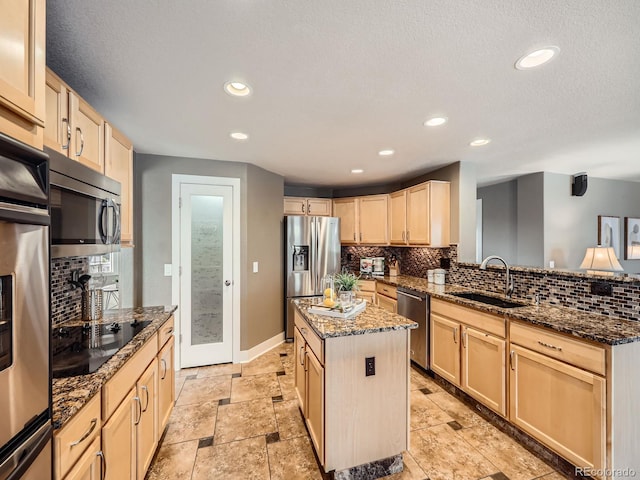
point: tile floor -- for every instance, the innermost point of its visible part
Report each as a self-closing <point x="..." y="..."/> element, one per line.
<point x="242" y="422"/>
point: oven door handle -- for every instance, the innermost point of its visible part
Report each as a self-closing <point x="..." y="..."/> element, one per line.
<point x="24" y="457"/>
<point x="400" y="292"/>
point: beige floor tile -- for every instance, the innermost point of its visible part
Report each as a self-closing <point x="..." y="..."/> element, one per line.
<point x="425" y="413"/>
<point x="217" y="370"/>
<point x="268" y="363"/>
<point x="202" y="390"/>
<point x="293" y="460"/>
<point x="288" y="386"/>
<point x="191" y="422"/>
<point x="288" y="363"/>
<point x="289" y="419"/>
<point x="502" y="451"/>
<point x="246" y="460"/>
<point x="461" y="413"/>
<point x="173" y="461"/>
<point x="185" y="372"/>
<point x="179" y="384"/>
<point x="237" y="421"/>
<point x="417" y="380"/>
<point x="410" y="470"/>
<point x="254" y="386"/>
<point x="553" y="476"/>
<point x="444" y="455"/>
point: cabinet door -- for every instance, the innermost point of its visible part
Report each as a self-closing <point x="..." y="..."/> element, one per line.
<point x="314" y="414"/>
<point x="320" y="207"/>
<point x="484" y="368"/>
<point x="295" y="206"/>
<point x="146" y="430"/>
<point x="373" y="219"/>
<point x="118" y="439"/>
<point x="119" y="166"/>
<point x="347" y="210"/>
<point x="418" y="214"/>
<point x="57" y="130"/>
<point x="300" y="375"/>
<point x="398" y="218"/>
<point x="90" y="466"/>
<point x="22" y="76"/>
<point x="445" y="351"/>
<point x="386" y="303"/>
<point x="87" y="133"/>
<point x="370" y="297"/>
<point x="562" y="406"/>
<point x="166" y="385"/>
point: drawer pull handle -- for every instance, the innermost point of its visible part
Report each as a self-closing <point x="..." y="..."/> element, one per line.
<point x="455" y="335"/>
<point x="464" y="334"/>
<point x="301" y="356"/>
<point x="65" y="121"/>
<point x="548" y="345"/>
<point x="103" y="465"/>
<point x="79" y="153"/>
<point x="86" y="434"/>
<point x="511" y="355"/>
<point x="139" y="410"/>
<point x="164" y="369"/>
<point x="170" y="331"/>
<point x="146" y="403"/>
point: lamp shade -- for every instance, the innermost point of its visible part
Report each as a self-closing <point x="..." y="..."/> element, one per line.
<point x="601" y="258"/>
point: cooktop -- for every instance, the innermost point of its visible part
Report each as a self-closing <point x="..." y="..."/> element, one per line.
<point x="79" y="350"/>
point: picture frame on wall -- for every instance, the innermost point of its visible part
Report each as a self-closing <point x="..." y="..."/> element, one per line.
<point x="631" y="238"/>
<point x="609" y="232"/>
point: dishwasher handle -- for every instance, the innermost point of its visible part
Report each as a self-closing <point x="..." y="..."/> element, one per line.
<point x="399" y="292"/>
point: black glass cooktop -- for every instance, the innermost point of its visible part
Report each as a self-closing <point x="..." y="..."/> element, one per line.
<point x="80" y="350"/>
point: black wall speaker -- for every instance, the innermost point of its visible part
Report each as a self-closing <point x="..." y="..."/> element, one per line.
<point x="579" y="184"/>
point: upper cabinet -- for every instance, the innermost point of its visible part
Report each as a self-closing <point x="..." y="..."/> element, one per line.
<point x="22" y="98"/>
<point x="119" y="166"/>
<point x="420" y="215"/>
<point x="347" y="210"/>
<point x="398" y="218"/>
<point x="317" y="207"/>
<point x="363" y="220"/>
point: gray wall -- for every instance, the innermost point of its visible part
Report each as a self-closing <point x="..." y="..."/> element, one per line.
<point x="531" y="227"/>
<point x="500" y="220"/>
<point x="260" y="236"/>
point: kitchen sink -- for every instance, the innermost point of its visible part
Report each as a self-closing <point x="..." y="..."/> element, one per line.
<point x="489" y="300"/>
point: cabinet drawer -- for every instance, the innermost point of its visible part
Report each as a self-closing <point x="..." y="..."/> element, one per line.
<point x="315" y="342"/>
<point x="577" y="353"/>
<point x="74" y="438"/>
<point x="367" y="285"/>
<point x="165" y="333"/>
<point x="488" y="322"/>
<point x="114" y="391"/>
<point x="388" y="290"/>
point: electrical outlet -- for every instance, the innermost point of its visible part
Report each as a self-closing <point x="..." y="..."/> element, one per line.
<point x="604" y="289"/>
<point x="370" y="366"/>
<point x="255" y="267"/>
<point x="167" y="269"/>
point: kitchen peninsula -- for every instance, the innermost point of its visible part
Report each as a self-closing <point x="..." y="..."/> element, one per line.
<point x="352" y="382"/>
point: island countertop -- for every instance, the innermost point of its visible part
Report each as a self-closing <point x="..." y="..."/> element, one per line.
<point x="373" y="319"/>
<point x="72" y="393"/>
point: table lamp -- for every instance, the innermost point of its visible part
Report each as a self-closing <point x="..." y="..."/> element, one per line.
<point x="601" y="261"/>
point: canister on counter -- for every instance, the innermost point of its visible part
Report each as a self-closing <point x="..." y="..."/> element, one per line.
<point x="438" y="276"/>
<point x="430" y="276"/>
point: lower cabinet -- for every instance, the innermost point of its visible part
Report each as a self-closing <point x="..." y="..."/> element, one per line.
<point x="367" y="291"/>
<point x="119" y="439"/>
<point x="146" y="436"/>
<point x="386" y="297"/>
<point x="299" y="347"/>
<point x="314" y="414"/>
<point x="91" y="465"/>
<point x="166" y="385"/>
<point x="445" y="347"/>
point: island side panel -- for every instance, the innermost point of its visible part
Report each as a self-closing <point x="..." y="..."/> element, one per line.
<point x="366" y="417"/>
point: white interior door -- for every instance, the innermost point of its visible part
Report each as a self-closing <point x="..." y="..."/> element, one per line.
<point x="206" y="282"/>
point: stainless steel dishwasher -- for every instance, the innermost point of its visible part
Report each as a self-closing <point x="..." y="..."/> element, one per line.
<point x="415" y="306"/>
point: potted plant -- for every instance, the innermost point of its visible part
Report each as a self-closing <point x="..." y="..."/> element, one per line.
<point x="346" y="282"/>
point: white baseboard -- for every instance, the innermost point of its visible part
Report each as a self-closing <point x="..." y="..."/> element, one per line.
<point x="261" y="348"/>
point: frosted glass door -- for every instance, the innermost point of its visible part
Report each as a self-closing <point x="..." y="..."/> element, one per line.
<point x="206" y="234"/>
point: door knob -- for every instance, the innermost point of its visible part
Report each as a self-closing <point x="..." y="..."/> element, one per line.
<point x="227" y="282"/>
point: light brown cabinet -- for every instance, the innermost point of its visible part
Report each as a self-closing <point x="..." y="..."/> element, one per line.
<point x="119" y="439"/>
<point x="445" y="347"/>
<point x="387" y="297"/>
<point x="147" y="423"/>
<point x="90" y="466"/>
<point x="22" y="76"/>
<point x="347" y="210"/>
<point x="314" y="412"/>
<point x="318" y="207"/>
<point x="367" y="291"/>
<point x="428" y="214"/>
<point x="166" y="385"/>
<point x="57" y="130"/>
<point x="372" y="220"/>
<point x="398" y="217"/>
<point x="119" y="166"/>
<point x="299" y="348"/>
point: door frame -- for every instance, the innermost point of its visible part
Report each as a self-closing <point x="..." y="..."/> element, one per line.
<point x="176" y="181"/>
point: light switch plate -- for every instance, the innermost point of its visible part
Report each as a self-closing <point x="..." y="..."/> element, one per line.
<point x="255" y="267"/>
<point x="167" y="269"/>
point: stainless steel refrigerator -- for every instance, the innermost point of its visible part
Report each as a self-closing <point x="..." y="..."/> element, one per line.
<point x="312" y="250"/>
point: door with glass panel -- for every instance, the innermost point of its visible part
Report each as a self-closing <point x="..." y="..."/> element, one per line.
<point x="206" y="216"/>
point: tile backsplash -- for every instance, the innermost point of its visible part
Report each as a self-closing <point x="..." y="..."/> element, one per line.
<point x="414" y="261"/>
<point x="65" y="300"/>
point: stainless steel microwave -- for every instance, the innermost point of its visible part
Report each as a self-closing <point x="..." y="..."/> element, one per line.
<point x="85" y="209"/>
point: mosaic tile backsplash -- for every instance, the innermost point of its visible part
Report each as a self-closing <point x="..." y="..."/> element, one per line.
<point x="65" y="301"/>
<point x="414" y="261"/>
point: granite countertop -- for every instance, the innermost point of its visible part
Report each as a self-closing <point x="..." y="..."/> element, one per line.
<point x="71" y="393"/>
<point x="373" y="319"/>
<point x="598" y="328"/>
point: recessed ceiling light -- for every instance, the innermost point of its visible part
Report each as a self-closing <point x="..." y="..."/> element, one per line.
<point x="386" y="153"/>
<point x="478" y="142"/>
<point x="435" y="121"/>
<point x="237" y="89"/>
<point x="239" y="136"/>
<point x="536" y="58"/>
<point x="357" y="170"/>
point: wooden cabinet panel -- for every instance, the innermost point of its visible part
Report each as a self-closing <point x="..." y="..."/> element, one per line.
<point x="445" y="348"/>
<point x="440" y="214"/>
<point x="119" y="439"/>
<point x="347" y="210"/>
<point x="398" y="217"/>
<point x="315" y="403"/>
<point x="319" y="207"/>
<point x="484" y="374"/>
<point x="165" y="333"/>
<point x="87" y="134"/>
<point x="300" y="370"/>
<point x="373" y="219"/>
<point x="166" y="385"/>
<point x="418" y="214"/>
<point x="386" y="290"/>
<point x="119" y="166"/>
<point x="146" y="429"/>
<point x="488" y="322"/>
<point x="295" y="206"/>
<point x="90" y="465"/>
<point x="314" y="342"/>
<point x="562" y="406"/>
<point x="388" y="304"/>
<point x="57" y="129"/>
<point x="22" y="76"/>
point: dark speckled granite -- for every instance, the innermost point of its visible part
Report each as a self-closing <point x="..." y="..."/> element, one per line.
<point x="70" y="394"/>
<point x="598" y="328"/>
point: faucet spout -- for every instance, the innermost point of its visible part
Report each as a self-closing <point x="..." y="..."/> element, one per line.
<point x="508" y="288"/>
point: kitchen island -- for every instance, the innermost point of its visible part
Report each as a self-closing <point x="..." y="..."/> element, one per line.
<point x="352" y="382"/>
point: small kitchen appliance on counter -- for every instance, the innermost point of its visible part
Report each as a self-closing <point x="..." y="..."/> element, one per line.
<point x="377" y="266"/>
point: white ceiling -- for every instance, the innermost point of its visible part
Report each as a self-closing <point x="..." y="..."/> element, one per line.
<point x="335" y="81"/>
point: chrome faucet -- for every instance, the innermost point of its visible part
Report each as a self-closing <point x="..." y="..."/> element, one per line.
<point x="508" y="287"/>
